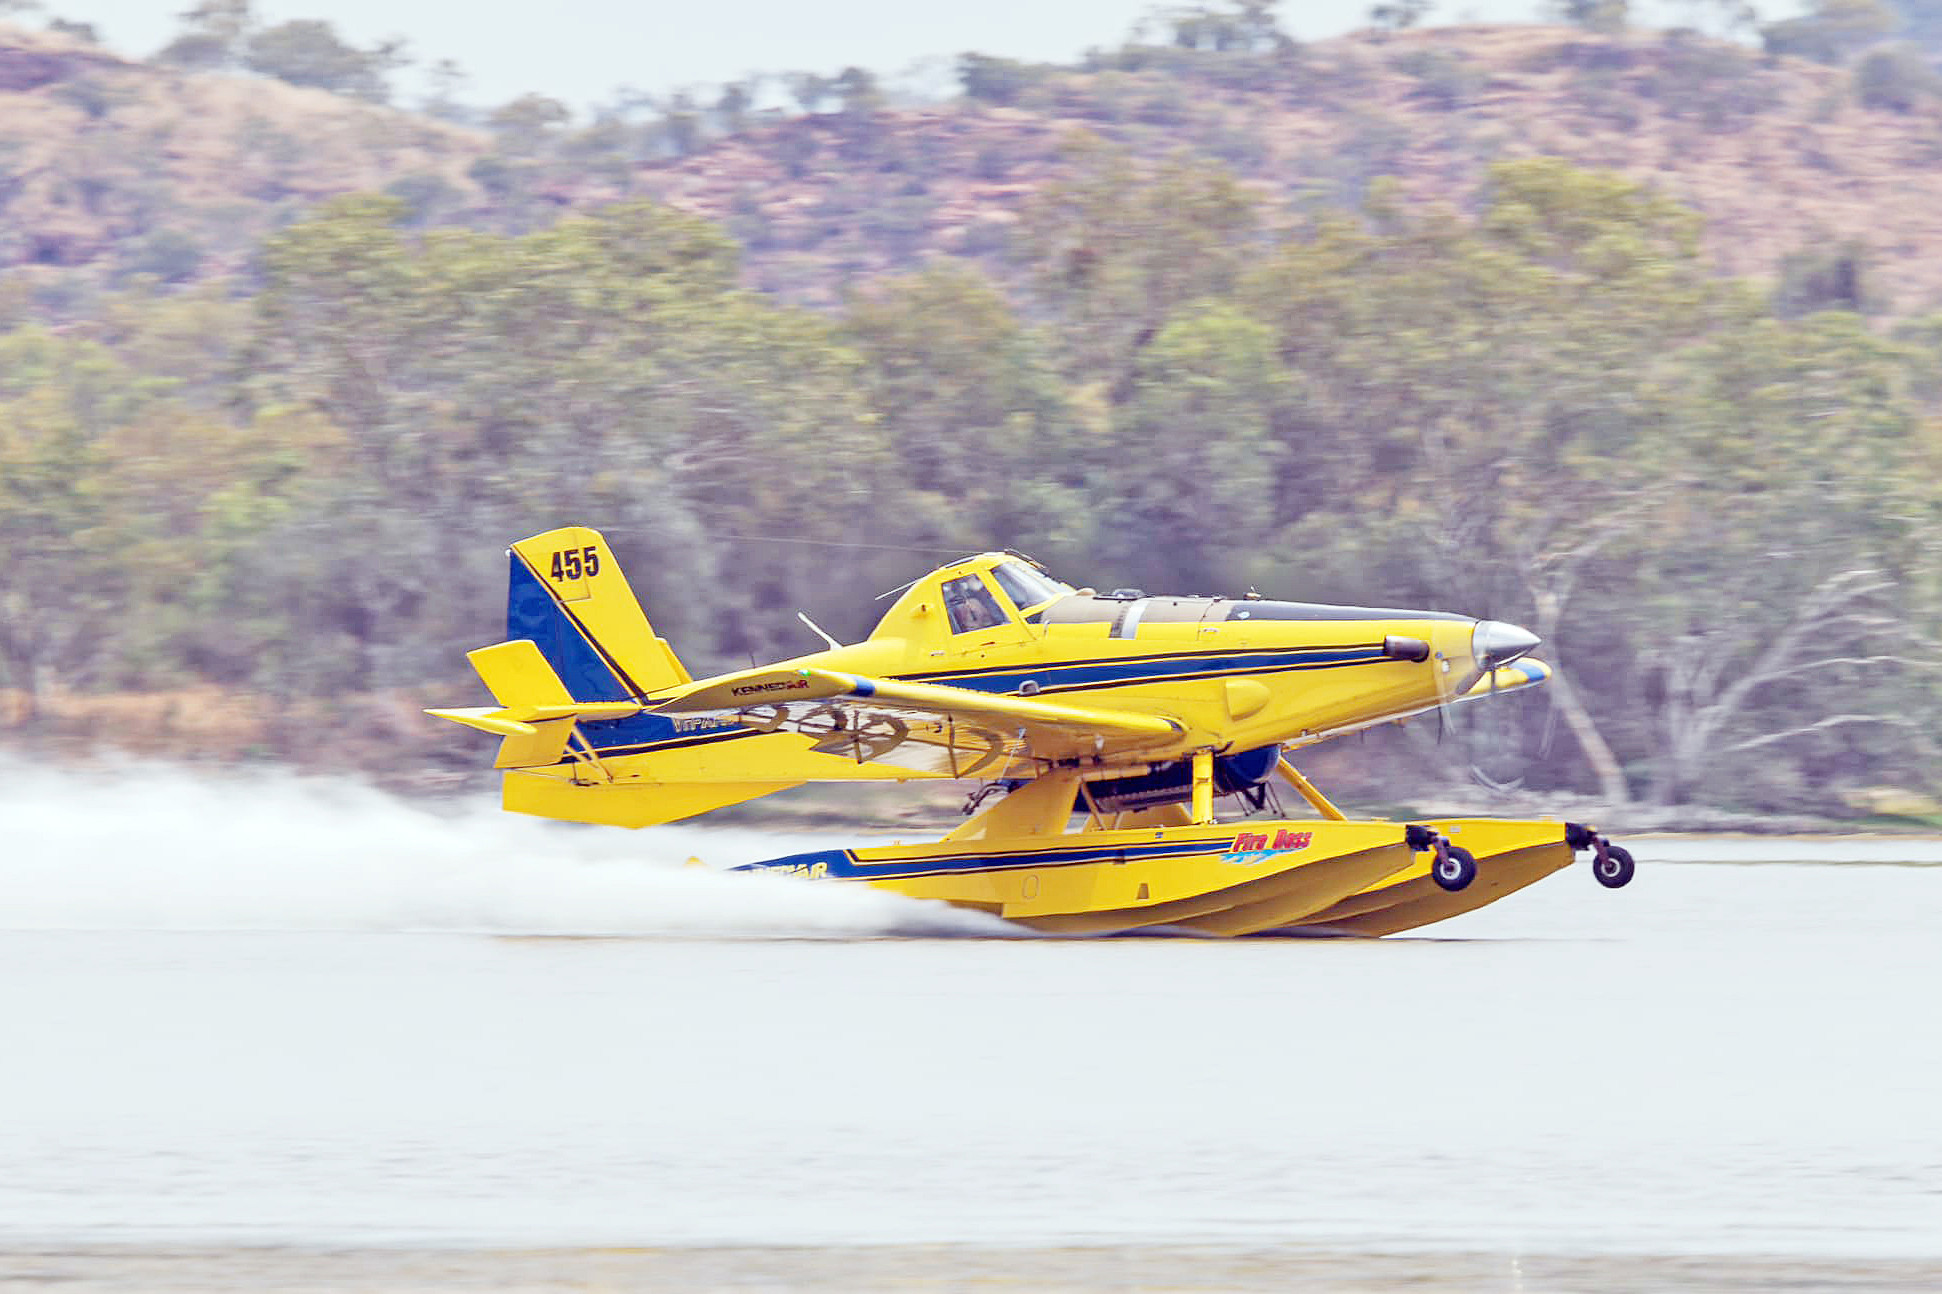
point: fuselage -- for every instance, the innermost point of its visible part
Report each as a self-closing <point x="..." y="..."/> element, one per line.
<point x="1235" y="673"/>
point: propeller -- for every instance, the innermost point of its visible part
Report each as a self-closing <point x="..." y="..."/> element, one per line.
<point x="1493" y="645"/>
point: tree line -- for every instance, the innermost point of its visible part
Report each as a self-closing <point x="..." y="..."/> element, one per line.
<point x="1542" y="407"/>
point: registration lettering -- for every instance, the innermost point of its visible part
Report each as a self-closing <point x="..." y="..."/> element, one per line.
<point x="755" y="689"/>
<point x="814" y="871"/>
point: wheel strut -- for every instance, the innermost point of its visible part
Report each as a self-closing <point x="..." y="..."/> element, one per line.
<point x="1611" y="865"/>
<point x="1453" y="868"/>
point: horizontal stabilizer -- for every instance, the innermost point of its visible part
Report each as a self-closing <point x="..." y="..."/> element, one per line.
<point x="516" y="673"/>
<point x="535" y="714"/>
<point x="486" y="719"/>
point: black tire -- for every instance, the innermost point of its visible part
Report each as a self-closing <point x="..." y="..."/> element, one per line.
<point x="1454" y="869"/>
<point x="1615" y="869"/>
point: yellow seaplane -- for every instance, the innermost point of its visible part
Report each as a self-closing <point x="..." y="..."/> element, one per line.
<point x="1104" y="728"/>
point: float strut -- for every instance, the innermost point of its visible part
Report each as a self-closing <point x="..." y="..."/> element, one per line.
<point x="1316" y="800"/>
<point x="1203" y="787"/>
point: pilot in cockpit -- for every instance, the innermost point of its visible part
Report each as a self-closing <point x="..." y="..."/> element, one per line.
<point x="970" y="605"/>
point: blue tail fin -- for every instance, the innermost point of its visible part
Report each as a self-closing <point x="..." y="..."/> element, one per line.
<point x="566" y="593"/>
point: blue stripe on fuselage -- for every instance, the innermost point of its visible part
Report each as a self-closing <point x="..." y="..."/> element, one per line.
<point x="643" y="734"/>
<point x="1073" y="675"/>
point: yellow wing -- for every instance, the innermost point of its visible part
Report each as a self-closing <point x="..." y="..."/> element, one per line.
<point x="923" y="726"/>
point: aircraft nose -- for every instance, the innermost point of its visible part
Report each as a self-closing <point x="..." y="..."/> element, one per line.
<point x="1495" y="643"/>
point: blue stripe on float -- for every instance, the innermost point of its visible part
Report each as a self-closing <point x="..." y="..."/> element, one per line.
<point x="845" y="865"/>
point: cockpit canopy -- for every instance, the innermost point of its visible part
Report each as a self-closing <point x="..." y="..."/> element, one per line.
<point x="994" y="591"/>
<point x="1027" y="586"/>
<point x="969" y="603"/>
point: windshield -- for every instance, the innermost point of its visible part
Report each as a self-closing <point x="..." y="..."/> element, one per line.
<point x="1026" y="586"/>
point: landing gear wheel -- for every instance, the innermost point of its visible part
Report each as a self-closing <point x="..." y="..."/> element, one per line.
<point x="1455" y="867"/>
<point x="1613" y="866"/>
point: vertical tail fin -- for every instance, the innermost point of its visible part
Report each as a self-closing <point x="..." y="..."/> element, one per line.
<point x="566" y="593"/>
<point x="574" y="680"/>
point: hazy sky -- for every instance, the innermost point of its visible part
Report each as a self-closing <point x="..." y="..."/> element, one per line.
<point x="581" y="50"/>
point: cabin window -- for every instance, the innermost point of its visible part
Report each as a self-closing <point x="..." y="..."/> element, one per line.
<point x="1026" y="586"/>
<point x="970" y="605"/>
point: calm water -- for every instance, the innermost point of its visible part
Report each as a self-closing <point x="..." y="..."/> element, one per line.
<point x="301" y="1013"/>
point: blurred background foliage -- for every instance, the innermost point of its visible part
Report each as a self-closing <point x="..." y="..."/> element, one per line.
<point x="1718" y="500"/>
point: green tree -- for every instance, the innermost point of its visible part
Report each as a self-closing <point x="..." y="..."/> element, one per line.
<point x="445" y="81"/>
<point x="1831" y="31"/>
<point x="1469" y="405"/>
<point x="529" y="126"/>
<point x="59" y="399"/>
<point x="213" y="35"/>
<point x="1237" y="26"/>
<point x="1726" y="16"/>
<point x="1116" y="249"/>
<point x="856" y="90"/>
<point x="1400" y="15"/>
<point x="997" y="80"/>
<point x="1780" y="576"/>
<point x="307" y="51"/>
<point x="1895" y="78"/>
<point x="606" y="366"/>
<point x="970" y="406"/>
<point x="809" y="90"/>
<point x="1192" y="452"/>
<point x="1604" y="16"/>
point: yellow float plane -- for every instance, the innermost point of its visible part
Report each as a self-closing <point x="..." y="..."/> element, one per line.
<point x="1104" y="727"/>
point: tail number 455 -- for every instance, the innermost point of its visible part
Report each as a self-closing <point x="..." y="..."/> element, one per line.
<point x="572" y="563"/>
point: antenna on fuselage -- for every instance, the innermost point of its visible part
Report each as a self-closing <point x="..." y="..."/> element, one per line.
<point x="818" y="629"/>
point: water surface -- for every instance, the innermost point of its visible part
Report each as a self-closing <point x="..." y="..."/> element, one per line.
<point x="308" y="1015"/>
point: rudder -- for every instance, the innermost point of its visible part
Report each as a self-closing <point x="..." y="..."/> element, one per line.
<point x="566" y="593"/>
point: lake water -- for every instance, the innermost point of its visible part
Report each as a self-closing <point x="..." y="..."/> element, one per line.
<point x="290" y="1013"/>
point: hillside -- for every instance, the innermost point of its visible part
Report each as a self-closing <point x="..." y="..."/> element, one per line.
<point x="120" y="166"/>
<point x="1777" y="154"/>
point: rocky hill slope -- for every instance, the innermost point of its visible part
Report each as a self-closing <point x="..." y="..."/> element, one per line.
<point x="1779" y="154"/>
<point x="127" y="167"/>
